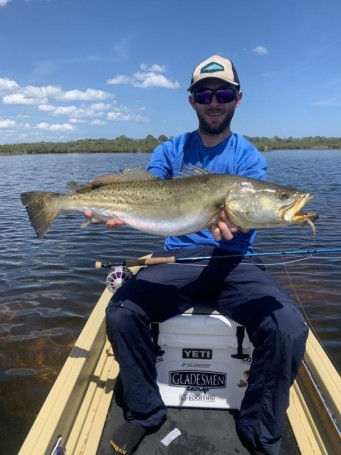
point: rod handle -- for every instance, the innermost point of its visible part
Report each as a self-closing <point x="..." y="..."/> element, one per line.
<point x="149" y="261"/>
<point x="138" y="262"/>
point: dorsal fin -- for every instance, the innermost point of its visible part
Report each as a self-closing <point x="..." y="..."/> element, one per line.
<point x="127" y="175"/>
<point x="195" y="170"/>
<point x="77" y="187"/>
<point x="139" y="173"/>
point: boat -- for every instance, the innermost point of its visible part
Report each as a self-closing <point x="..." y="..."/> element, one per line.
<point x="83" y="407"/>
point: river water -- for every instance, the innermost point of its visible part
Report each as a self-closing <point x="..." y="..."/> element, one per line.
<point x="48" y="287"/>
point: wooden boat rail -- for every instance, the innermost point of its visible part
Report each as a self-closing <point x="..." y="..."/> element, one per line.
<point x="76" y="408"/>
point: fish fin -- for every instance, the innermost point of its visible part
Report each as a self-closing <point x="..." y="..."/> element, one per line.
<point x="41" y="209"/>
<point x="85" y="224"/>
<point x="195" y="170"/>
<point x="139" y="173"/>
<point x="77" y="187"/>
<point x="103" y="180"/>
<point x="92" y="220"/>
<point x="127" y="175"/>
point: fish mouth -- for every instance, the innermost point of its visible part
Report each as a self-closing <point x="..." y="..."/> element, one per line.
<point x="292" y="212"/>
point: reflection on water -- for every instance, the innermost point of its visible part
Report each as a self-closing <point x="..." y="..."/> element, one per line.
<point x="48" y="287"/>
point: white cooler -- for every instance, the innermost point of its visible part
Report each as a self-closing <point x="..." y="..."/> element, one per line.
<point x="203" y="361"/>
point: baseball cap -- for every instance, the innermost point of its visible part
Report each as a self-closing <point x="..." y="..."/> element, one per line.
<point x="215" y="67"/>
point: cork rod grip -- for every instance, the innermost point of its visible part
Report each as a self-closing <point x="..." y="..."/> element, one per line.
<point x="150" y="261"/>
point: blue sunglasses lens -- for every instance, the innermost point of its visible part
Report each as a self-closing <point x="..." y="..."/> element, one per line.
<point x="223" y="95"/>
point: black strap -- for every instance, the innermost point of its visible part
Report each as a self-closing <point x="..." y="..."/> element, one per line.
<point x="154" y="326"/>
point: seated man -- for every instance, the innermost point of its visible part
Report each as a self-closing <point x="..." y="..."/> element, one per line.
<point x="238" y="287"/>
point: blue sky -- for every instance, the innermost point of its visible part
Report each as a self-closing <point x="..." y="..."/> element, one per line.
<point x="77" y="69"/>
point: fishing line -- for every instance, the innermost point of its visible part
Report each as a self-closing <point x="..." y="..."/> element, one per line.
<point x="172" y="259"/>
<point x="267" y="264"/>
<point x="306" y="317"/>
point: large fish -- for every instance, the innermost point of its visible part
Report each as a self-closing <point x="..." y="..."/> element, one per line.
<point x="174" y="206"/>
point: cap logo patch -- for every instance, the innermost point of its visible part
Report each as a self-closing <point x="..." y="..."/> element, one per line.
<point x="212" y="68"/>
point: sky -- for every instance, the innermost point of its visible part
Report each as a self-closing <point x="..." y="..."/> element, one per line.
<point x="88" y="69"/>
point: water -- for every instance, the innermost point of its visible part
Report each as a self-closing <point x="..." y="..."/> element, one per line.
<point x="48" y="287"/>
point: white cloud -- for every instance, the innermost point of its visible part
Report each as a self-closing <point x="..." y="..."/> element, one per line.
<point x="13" y="93"/>
<point x="4" y="2"/>
<point x="98" y="122"/>
<point x="155" y="67"/>
<point x="77" y="120"/>
<point x="260" y="50"/>
<point x="50" y="91"/>
<point x="66" y="110"/>
<point x="120" y="79"/>
<point x="7" y="123"/>
<point x="93" y="110"/>
<point x="88" y="107"/>
<point x="55" y="127"/>
<point x="126" y="117"/>
<point x="21" y="98"/>
<point x="6" y="85"/>
<point x="100" y="106"/>
<point x="88" y="95"/>
<point x="147" y="78"/>
<point x="46" y="108"/>
<point x="152" y="79"/>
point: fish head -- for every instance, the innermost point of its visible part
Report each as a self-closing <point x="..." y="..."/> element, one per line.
<point x="259" y="204"/>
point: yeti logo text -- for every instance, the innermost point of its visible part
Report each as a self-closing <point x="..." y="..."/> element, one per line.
<point x="197" y="353"/>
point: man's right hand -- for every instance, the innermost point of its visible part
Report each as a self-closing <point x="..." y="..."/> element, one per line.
<point x="109" y="224"/>
<point x="224" y="228"/>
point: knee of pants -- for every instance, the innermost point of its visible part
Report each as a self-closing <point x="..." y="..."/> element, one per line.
<point x="288" y="333"/>
<point x="286" y="325"/>
<point x="120" y="321"/>
<point x="292" y="325"/>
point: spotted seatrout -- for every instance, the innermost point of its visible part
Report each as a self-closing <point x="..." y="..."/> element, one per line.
<point x="174" y="206"/>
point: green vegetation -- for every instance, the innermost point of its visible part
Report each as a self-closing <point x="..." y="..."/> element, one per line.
<point x="125" y="144"/>
<point x="291" y="143"/>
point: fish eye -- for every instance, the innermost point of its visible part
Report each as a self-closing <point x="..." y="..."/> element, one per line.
<point x="283" y="195"/>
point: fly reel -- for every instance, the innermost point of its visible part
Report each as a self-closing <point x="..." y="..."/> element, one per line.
<point x="117" y="276"/>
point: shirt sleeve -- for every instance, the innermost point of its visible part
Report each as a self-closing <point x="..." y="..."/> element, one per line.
<point x="167" y="158"/>
<point x="159" y="164"/>
<point x="250" y="162"/>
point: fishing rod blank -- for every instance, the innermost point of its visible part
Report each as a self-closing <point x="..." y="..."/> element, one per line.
<point x="133" y="262"/>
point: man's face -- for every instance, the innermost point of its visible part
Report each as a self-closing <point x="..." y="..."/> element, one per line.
<point x="214" y="118"/>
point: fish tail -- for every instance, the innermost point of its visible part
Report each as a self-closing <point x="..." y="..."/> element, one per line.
<point x="42" y="209"/>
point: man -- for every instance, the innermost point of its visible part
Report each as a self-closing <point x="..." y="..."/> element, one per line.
<point x="237" y="289"/>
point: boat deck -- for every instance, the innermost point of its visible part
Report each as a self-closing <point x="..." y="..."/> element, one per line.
<point x="203" y="432"/>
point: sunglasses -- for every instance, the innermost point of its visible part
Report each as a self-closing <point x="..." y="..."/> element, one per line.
<point x="223" y="95"/>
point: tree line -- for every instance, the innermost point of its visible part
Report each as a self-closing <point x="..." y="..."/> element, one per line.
<point x="125" y="144"/>
<point x="291" y="143"/>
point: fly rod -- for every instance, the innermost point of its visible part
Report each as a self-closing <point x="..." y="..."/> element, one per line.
<point x="173" y="260"/>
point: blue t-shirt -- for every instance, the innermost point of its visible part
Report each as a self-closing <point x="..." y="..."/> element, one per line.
<point x="235" y="155"/>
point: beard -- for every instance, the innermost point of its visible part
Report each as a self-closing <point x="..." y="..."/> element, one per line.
<point x="215" y="129"/>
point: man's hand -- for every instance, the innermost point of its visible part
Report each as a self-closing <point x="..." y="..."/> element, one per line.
<point x="224" y="228"/>
<point x="109" y="223"/>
